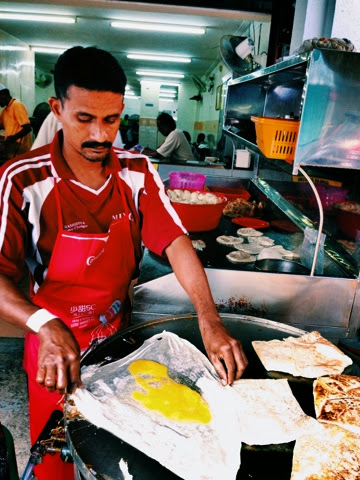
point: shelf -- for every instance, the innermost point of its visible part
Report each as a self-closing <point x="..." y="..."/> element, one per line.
<point x="333" y="249"/>
<point x="321" y="89"/>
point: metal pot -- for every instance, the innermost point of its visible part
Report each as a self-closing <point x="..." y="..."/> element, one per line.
<point x="275" y="265"/>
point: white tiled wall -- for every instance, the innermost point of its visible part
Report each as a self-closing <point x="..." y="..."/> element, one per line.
<point x="17" y="70"/>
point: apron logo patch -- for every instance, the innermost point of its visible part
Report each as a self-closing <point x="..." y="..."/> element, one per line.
<point x="92" y="258"/>
<point x="117" y="216"/>
<point x="82" y="314"/>
<point x="75" y="226"/>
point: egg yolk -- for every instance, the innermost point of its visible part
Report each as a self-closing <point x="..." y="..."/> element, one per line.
<point x="173" y="400"/>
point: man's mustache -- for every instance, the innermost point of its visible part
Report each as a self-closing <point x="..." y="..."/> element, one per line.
<point x="96" y="145"/>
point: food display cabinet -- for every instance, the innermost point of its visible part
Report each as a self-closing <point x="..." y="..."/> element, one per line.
<point x="319" y="89"/>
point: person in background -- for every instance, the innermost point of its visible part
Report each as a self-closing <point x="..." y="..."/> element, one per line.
<point x="15" y="121"/>
<point x="201" y="147"/>
<point x="51" y="125"/>
<point x="77" y="213"/>
<point x="193" y="149"/>
<point x="132" y="134"/>
<point x="40" y="112"/>
<point x="175" y="146"/>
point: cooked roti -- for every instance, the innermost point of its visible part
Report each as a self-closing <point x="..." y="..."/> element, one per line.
<point x="249" y="232"/>
<point x="249" y="248"/>
<point x="229" y="240"/>
<point x="262" y="240"/>
<point x="309" y="355"/>
<point x="333" y="453"/>
<point x="240" y="257"/>
<point x="198" y="244"/>
<point x="337" y="401"/>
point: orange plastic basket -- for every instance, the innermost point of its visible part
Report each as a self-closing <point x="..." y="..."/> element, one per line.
<point x="277" y="137"/>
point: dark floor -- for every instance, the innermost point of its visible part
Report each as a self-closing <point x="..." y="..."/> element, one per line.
<point x="13" y="397"/>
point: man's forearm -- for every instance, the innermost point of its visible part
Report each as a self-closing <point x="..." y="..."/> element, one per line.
<point x="20" y="134"/>
<point x="224" y="351"/>
<point x="151" y="153"/>
<point x="15" y="308"/>
<point x="191" y="275"/>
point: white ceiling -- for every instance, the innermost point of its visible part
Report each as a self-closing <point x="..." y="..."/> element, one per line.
<point x="93" y="28"/>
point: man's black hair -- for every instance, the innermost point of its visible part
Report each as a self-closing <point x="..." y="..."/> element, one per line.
<point x="90" y="68"/>
<point x="167" y="121"/>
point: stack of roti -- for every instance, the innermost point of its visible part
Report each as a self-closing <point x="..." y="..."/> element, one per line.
<point x="309" y="355"/>
<point x="337" y="401"/>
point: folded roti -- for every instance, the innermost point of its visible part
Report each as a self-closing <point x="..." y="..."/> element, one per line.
<point x="333" y="453"/>
<point x="309" y="355"/>
<point x="268" y="412"/>
<point x="337" y="401"/>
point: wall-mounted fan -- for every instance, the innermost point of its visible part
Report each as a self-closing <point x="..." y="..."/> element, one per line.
<point x="201" y="87"/>
<point x="236" y="53"/>
<point x="43" y="80"/>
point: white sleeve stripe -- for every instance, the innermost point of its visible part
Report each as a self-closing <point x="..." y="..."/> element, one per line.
<point x="6" y="195"/>
<point x="163" y="197"/>
<point x="27" y="161"/>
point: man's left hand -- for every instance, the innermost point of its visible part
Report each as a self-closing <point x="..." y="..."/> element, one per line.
<point x="225" y="352"/>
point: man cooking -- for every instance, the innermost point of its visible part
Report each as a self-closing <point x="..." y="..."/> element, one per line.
<point x="77" y="213"/>
<point x="14" y="119"/>
<point x="175" y="147"/>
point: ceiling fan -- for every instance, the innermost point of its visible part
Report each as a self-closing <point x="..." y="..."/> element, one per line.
<point x="43" y="80"/>
<point x="236" y="53"/>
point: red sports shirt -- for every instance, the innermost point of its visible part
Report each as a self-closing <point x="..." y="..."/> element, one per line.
<point x="28" y="221"/>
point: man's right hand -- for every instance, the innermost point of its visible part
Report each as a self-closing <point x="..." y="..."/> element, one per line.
<point x="59" y="358"/>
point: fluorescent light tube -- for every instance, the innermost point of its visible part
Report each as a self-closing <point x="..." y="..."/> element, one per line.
<point x="13" y="48"/>
<point x="160" y="58"/>
<point x="158" y="27"/>
<point x="54" y="50"/>
<point x="170" y="95"/>
<point x="171" y="84"/>
<point x="36" y="18"/>
<point x="160" y="74"/>
<point x="168" y="91"/>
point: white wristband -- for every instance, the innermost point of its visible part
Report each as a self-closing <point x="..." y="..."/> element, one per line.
<point x="38" y="319"/>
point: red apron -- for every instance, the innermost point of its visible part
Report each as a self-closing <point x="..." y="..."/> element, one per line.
<point x="87" y="287"/>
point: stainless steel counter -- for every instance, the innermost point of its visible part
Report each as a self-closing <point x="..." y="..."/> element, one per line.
<point x="327" y="303"/>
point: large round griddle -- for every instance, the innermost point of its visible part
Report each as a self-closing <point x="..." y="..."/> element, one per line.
<point x="97" y="452"/>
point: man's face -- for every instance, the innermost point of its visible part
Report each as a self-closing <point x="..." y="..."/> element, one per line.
<point x="90" y="121"/>
<point x="163" y="129"/>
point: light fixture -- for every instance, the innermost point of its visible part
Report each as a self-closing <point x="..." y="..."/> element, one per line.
<point x="13" y="48"/>
<point x="158" y="27"/>
<point x="165" y="99"/>
<point x="54" y="50"/>
<point x="160" y="58"/>
<point x="170" y="95"/>
<point x="159" y="74"/>
<point x="129" y="93"/>
<point x="36" y="18"/>
<point x="171" y="84"/>
<point x="168" y="90"/>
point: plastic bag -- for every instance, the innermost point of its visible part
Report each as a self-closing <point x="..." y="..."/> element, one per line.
<point x="307" y="250"/>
